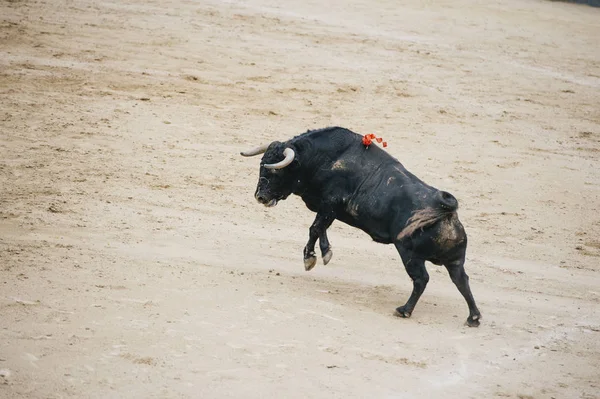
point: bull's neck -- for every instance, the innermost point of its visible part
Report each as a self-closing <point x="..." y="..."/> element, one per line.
<point x="309" y="166"/>
<point x="312" y="158"/>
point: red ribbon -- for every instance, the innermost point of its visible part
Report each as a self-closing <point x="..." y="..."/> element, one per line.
<point x="368" y="139"/>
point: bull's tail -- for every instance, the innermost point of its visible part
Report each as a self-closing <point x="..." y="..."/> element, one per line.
<point x="445" y="204"/>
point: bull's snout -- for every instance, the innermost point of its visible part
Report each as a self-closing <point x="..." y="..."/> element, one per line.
<point x="263" y="199"/>
<point x="260" y="198"/>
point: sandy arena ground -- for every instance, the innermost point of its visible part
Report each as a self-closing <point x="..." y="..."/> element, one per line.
<point x="135" y="262"/>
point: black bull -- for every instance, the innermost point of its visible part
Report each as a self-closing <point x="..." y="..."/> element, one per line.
<point x="340" y="178"/>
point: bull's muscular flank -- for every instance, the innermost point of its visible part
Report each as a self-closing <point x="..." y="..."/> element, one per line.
<point x="339" y="178"/>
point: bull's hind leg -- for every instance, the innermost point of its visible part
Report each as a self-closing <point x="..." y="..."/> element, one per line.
<point x="318" y="228"/>
<point x="415" y="267"/>
<point x="460" y="278"/>
<point x="326" y="252"/>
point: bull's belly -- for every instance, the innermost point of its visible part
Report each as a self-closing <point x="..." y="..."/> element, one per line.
<point x="374" y="229"/>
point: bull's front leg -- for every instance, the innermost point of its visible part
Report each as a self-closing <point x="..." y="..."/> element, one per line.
<point x="318" y="230"/>
<point x="326" y="252"/>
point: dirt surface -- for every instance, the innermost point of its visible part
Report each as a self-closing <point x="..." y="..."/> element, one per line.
<point x="135" y="262"/>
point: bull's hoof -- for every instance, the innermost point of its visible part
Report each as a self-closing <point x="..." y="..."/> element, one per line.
<point x="310" y="262"/>
<point x="327" y="256"/>
<point x="402" y="312"/>
<point x="473" y="321"/>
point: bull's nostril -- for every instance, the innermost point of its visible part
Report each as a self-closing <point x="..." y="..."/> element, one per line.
<point x="260" y="198"/>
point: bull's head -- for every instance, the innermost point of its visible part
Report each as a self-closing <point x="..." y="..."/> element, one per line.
<point x="277" y="172"/>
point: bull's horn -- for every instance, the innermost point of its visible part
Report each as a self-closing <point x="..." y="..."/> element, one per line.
<point x="289" y="157"/>
<point x="255" y="151"/>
